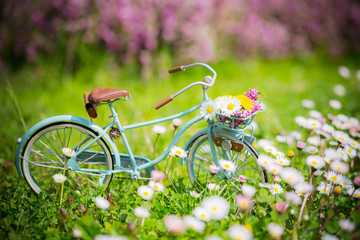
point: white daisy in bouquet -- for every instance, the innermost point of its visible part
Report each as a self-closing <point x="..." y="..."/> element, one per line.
<point x="229" y="105"/>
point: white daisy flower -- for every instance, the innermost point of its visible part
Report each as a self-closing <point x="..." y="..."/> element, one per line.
<point x="194" y="223"/>
<point x="264" y="142"/>
<point x="342" y="117"/>
<point x="77" y="233"/>
<point x="303" y="188"/>
<point x="102" y="203"/>
<point x="282" y="161"/>
<point x="328" y="236"/>
<point x="264" y="160"/>
<point x="292" y="198"/>
<point x="331" y="154"/>
<point x="243" y="202"/>
<point x="291" y="176"/>
<point x="194" y="194"/>
<point x="276" y="189"/>
<point x="158" y="129"/>
<point x="269" y="149"/>
<point x="310" y="150"/>
<point x="324" y="188"/>
<point x="354" y="144"/>
<point x="343" y="155"/>
<point x="339" y="90"/>
<point x="227" y="165"/>
<point x="346" y="225"/>
<point x="213" y="186"/>
<point x="316" y="162"/>
<point x="334" y="177"/>
<point x="339" y="166"/>
<point x="313" y="124"/>
<point x="335" y="104"/>
<point x="228" y="105"/>
<point x="327" y="128"/>
<point x="318" y="172"/>
<point x="178" y="151"/>
<point x="141" y="212"/>
<point x="248" y="190"/>
<point x="59" y="178"/>
<point x="176" y="122"/>
<point x="278" y="154"/>
<point x="356" y="193"/>
<point x="315" y="114"/>
<point x="239" y="232"/>
<point x="275" y="230"/>
<point x="301" y="121"/>
<point x="158" y="187"/>
<point x="274" y="168"/>
<point x="344" y="72"/>
<point x="209" y="109"/>
<point x="345" y="182"/>
<point x="308" y="103"/>
<point x="315" y="140"/>
<point x="145" y="192"/>
<point x="202" y="213"/>
<point x="68" y="152"/>
<point x="174" y="224"/>
<point x="281" y="138"/>
<point x="217" y="206"/>
<point x="350" y="151"/>
<point x="341" y="137"/>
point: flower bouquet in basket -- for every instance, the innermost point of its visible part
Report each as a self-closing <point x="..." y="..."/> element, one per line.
<point x="233" y="111"/>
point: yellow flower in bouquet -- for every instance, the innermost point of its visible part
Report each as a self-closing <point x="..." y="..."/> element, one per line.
<point x="245" y="102"/>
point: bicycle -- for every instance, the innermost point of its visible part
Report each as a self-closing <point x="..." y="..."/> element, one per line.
<point x="96" y="157"/>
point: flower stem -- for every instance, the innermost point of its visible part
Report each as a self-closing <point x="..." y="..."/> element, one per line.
<point x="156" y="139"/>
<point x="299" y="153"/>
<point x="329" y="215"/>
<point x="62" y="184"/>
<point x="304" y="202"/>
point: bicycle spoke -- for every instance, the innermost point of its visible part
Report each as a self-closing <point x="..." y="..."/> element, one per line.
<point x="89" y="158"/>
<point x="62" y="144"/>
<point x="69" y="138"/>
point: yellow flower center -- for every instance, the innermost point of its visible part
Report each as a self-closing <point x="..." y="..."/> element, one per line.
<point x="344" y="183"/>
<point x="329" y="161"/>
<point x="281" y="162"/>
<point x="227" y="166"/>
<point x="178" y="152"/>
<point x="276" y="189"/>
<point x="146" y="193"/>
<point x="274" y="170"/>
<point x="230" y="106"/>
<point x="244" y="204"/>
<point x="209" y="110"/>
<point x="333" y="178"/>
<point x="312" y="151"/>
<point x="353" y="144"/>
<point x="202" y="215"/>
<point x="324" y="190"/>
<point x="341" y="139"/>
<point x="265" y="163"/>
<point x="214" y="209"/>
<point x="301" y="193"/>
<point x="60" y="179"/>
<point x="349" y="151"/>
<point x="277" y="155"/>
<point x="357" y="194"/>
<point x="248" y="227"/>
<point x="289" y="179"/>
<point x="339" y="169"/>
<point x="314" y="163"/>
<point x="156" y="187"/>
<point x="314" y="124"/>
<point x="269" y="149"/>
<point x="342" y="154"/>
<point x="213" y="188"/>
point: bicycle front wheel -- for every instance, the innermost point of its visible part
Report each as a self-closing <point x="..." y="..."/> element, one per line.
<point x="242" y="155"/>
<point x="43" y="157"/>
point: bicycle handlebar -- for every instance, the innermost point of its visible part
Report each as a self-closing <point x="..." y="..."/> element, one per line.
<point x="206" y="83"/>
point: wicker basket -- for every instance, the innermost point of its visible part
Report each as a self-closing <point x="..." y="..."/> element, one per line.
<point x="234" y="122"/>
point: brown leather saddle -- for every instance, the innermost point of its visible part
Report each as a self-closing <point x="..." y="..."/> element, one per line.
<point x="101" y="95"/>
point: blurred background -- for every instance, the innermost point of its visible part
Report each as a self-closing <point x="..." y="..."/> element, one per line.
<point x="52" y="51"/>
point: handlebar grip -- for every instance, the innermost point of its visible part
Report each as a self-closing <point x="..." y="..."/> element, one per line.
<point x="163" y="102"/>
<point x="175" y="69"/>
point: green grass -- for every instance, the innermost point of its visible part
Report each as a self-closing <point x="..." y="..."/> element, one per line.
<point x="44" y="89"/>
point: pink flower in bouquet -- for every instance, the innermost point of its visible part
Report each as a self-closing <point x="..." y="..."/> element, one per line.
<point x="242" y="178"/>
<point x="157" y="175"/>
<point x="214" y="169"/>
<point x="357" y="180"/>
<point x="257" y="107"/>
<point x="300" y="145"/>
<point x="252" y="94"/>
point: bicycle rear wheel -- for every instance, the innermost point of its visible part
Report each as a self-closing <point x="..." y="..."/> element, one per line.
<point x="43" y="157"/>
<point x="244" y="158"/>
